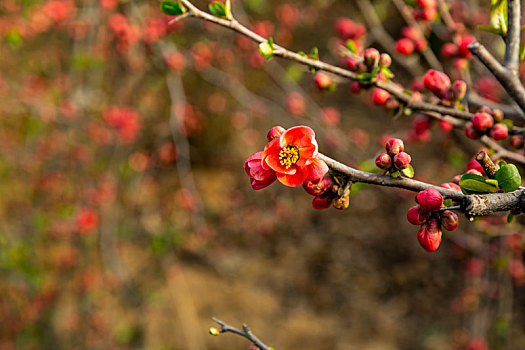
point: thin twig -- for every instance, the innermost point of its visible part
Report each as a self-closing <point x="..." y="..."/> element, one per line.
<point x="509" y="80"/>
<point x="246" y="333"/>
<point x="512" y="39"/>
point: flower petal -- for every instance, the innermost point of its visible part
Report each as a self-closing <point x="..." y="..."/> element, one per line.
<point x="299" y="136"/>
<point x="317" y="169"/>
<point x="254" y="157"/>
<point x="295" y="179"/>
<point x="271" y="158"/>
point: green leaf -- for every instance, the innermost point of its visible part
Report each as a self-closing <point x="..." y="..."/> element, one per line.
<point x="491" y="29"/>
<point x="217" y="8"/>
<point x="493" y="182"/>
<point x="266" y="48"/>
<point x="228" y="6"/>
<point x="510" y="218"/>
<point x="522" y="51"/>
<point x="498" y="15"/>
<point x="471" y="183"/>
<point x="395" y="173"/>
<point x="509" y="178"/>
<point x="447" y="202"/>
<point x="351" y="46"/>
<point x="408" y="172"/>
<point x="172" y="8"/>
<point x="508" y="123"/>
<point x="387" y="72"/>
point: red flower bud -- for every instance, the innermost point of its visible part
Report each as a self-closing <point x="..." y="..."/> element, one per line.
<point x="405" y="46"/>
<point x="402" y="160"/>
<point x="371" y="57"/>
<point x="379" y="96"/>
<point x="275" y="132"/>
<point x="411" y="33"/>
<point x="474" y="164"/>
<point x="516" y="141"/>
<point x="385" y="60"/>
<point x="451" y="186"/>
<point x="324" y="201"/>
<point x="499" y="132"/>
<point x="463" y="44"/>
<point x="384" y="161"/>
<point x="497" y="114"/>
<point x="322" y="80"/>
<point x="421" y="44"/>
<point x="351" y="63"/>
<point x="437" y="82"/>
<point x="429" y="236"/>
<point x="426" y="13"/>
<point x="430" y="200"/>
<point x="355" y="87"/>
<point x="394" y="146"/>
<point x="474" y="171"/>
<point x="259" y="176"/>
<point x="482" y="121"/>
<point x="471" y="133"/>
<point x="445" y="126"/>
<point x="391" y="103"/>
<point x="417" y="217"/>
<point x="427" y="3"/>
<point x="349" y="29"/>
<point x="448" y="50"/>
<point x="458" y="90"/>
<point x="319" y="187"/>
<point x="449" y="220"/>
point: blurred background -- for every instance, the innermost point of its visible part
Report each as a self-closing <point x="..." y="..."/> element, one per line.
<point x="127" y="220"/>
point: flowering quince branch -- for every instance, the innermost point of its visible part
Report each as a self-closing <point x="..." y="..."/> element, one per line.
<point x="507" y="77"/>
<point x="245" y="332"/>
<point x="280" y="51"/>
<point x="450" y="94"/>
<point x="512" y="40"/>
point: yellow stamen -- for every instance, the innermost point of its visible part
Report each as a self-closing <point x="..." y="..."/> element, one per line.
<point x="288" y="156"/>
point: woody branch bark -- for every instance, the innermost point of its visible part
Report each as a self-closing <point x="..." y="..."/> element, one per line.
<point x="470" y="205"/>
<point x="507" y="78"/>
<point x="512" y="40"/>
<point x="245" y="332"/>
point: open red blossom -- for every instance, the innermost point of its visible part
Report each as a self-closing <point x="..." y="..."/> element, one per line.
<point x="259" y="176"/>
<point x="293" y="157"/>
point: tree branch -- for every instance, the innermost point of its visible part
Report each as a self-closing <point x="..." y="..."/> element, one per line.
<point x="512" y="40"/>
<point x="246" y="333"/>
<point x="507" y="79"/>
<point x="470" y="205"/>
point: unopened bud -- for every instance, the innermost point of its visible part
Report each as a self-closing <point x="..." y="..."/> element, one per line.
<point x="394" y="146"/>
<point x="371" y="57"/>
<point x="429" y="200"/>
<point x="402" y="160"/>
<point x="458" y="90"/>
<point x="214" y="331"/>
<point x="275" y="132"/>
<point x="417" y="217"/>
<point x="384" y="161"/>
<point x="449" y="220"/>
<point x="499" y="132"/>
<point x="385" y="60"/>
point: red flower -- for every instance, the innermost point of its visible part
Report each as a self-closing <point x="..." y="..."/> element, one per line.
<point x="293" y="157"/>
<point x="259" y="176"/>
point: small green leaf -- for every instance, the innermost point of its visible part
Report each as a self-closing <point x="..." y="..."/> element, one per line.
<point x="172" y="8"/>
<point x="471" y="183"/>
<point x="266" y="48"/>
<point x="408" y="172"/>
<point x="509" y="178"/>
<point x="498" y="15"/>
<point x="447" y="202"/>
<point x="217" y="8"/>
<point x="491" y="29"/>
<point x="228" y="6"/>
<point x="508" y="123"/>
<point x="351" y="46"/>
<point x="492" y="182"/>
<point x="510" y="218"/>
<point x="387" y="73"/>
<point x="522" y="51"/>
<point x="395" y="173"/>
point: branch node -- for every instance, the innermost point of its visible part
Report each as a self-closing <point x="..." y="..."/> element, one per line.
<point x="487" y="164"/>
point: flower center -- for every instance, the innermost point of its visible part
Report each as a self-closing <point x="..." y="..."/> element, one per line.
<point x="288" y="156"/>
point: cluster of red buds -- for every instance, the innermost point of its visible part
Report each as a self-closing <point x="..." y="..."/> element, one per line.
<point x="439" y="84"/>
<point x="350" y="30"/>
<point x="431" y="219"/>
<point x="458" y="51"/>
<point x="426" y="10"/>
<point x="370" y="65"/>
<point x="421" y="125"/>
<point x="327" y="193"/>
<point x="395" y="159"/>
<point x="489" y="122"/>
<point x="411" y="40"/>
